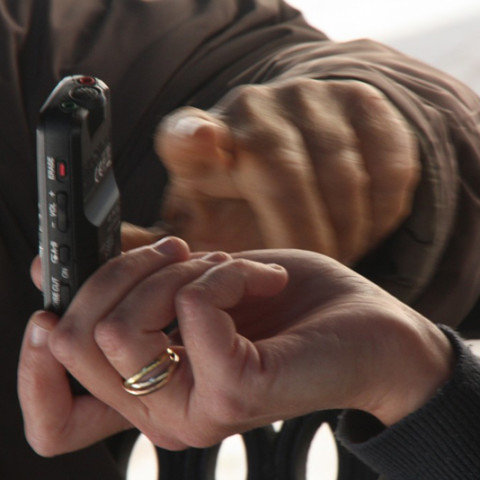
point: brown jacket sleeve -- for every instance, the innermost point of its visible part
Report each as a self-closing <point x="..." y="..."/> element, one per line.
<point x="432" y="262"/>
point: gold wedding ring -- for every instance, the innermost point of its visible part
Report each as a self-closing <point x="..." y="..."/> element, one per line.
<point x="153" y="376"/>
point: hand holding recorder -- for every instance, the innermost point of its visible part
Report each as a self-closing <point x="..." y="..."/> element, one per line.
<point x="263" y="335"/>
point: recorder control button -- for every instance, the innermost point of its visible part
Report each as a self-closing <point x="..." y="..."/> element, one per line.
<point x="62" y="214"/>
<point x="64" y="254"/>
<point x="61" y="168"/>
<point x="64" y="294"/>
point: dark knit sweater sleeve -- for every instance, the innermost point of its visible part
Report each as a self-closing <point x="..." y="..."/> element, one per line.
<point x="439" y="441"/>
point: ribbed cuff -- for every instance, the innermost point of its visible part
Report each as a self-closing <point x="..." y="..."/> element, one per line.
<point x="439" y="441"/>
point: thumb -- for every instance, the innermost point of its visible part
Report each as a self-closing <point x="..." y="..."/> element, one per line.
<point x="41" y="380"/>
<point x="55" y="421"/>
<point x="197" y="150"/>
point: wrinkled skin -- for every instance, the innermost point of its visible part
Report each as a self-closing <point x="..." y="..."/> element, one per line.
<point x="327" y="166"/>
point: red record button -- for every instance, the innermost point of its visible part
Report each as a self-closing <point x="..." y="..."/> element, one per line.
<point x="87" y="80"/>
<point x="61" y="169"/>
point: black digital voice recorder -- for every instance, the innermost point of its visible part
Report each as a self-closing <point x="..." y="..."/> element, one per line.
<point x="79" y="206"/>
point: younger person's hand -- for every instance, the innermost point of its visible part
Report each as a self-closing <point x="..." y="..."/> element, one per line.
<point x="262" y="336"/>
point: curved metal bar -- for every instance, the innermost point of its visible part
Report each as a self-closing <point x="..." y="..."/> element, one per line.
<point x="270" y="454"/>
<point x="294" y="441"/>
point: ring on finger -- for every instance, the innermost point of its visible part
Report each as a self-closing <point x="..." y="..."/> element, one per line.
<point x="153" y="376"/>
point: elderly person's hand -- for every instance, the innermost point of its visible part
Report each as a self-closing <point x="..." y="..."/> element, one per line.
<point x="328" y="166"/>
<point x="266" y="335"/>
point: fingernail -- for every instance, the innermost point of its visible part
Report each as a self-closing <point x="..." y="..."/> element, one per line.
<point x="275" y="266"/>
<point x="216" y="257"/>
<point x="188" y="125"/>
<point x="39" y="336"/>
<point x="166" y="246"/>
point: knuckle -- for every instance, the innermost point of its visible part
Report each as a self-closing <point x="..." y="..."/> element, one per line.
<point x="64" y="343"/>
<point x="110" y="334"/>
<point x="302" y="99"/>
<point x="244" y="99"/>
<point x="253" y="113"/>
<point x="374" y="110"/>
<point x="303" y="84"/>
<point x="316" y="113"/>
<point x="239" y="264"/>
<point x="124" y="265"/>
<point x="195" y="293"/>
<point x="299" y="93"/>
<point x="372" y="113"/>
<point x="362" y="90"/>
<point x="356" y="92"/>
<point x="370" y="108"/>
<point x="217" y="286"/>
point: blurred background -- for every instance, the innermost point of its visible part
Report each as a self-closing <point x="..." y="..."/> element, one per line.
<point x="443" y="33"/>
<point x="380" y="19"/>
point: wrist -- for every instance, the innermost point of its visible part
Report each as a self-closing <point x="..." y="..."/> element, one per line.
<point x="426" y="365"/>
